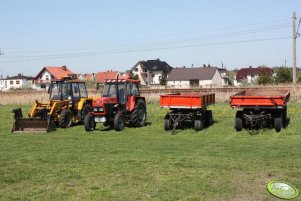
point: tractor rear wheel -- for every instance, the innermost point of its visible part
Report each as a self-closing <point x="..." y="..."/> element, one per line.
<point x="89" y="122"/>
<point x="198" y="125"/>
<point x="65" y="119"/>
<point x="119" y="122"/>
<point x="278" y="124"/>
<point x="138" y="116"/>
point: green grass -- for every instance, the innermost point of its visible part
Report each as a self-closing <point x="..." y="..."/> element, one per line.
<point x="148" y="163"/>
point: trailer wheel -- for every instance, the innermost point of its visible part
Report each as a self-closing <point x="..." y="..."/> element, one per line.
<point x="138" y="116"/>
<point x="198" y="125"/>
<point x="167" y="124"/>
<point x="209" y="118"/>
<point x="89" y="122"/>
<point x="238" y="120"/>
<point x="65" y="120"/>
<point x="278" y="124"/>
<point x="119" y="122"/>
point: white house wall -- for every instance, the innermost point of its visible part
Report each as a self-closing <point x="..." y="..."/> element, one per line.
<point x="6" y="85"/>
<point x="217" y="79"/>
<point x="178" y="84"/>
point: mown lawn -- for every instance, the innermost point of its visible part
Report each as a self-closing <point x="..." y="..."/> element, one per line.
<point x="148" y="163"/>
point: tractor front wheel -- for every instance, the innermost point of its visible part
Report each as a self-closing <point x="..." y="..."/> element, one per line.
<point x="238" y="120"/>
<point x="119" y="122"/>
<point x="65" y="119"/>
<point x="89" y="122"/>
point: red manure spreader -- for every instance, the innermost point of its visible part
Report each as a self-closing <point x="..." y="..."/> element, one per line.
<point x="187" y="109"/>
<point x="260" y="109"/>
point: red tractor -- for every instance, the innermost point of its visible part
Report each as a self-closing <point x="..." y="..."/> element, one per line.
<point x="119" y="104"/>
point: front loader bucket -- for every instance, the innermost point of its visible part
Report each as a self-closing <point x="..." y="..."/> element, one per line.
<point x="33" y="125"/>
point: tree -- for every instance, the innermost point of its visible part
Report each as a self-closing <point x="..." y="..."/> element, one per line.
<point x="283" y="75"/>
<point x="163" y="79"/>
<point x="264" y="78"/>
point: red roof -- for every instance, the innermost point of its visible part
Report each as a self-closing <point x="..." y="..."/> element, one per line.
<point x="244" y="72"/>
<point x="57" y="72"/>
<point x="88" y="76"/>
<point x="101" y="76"/>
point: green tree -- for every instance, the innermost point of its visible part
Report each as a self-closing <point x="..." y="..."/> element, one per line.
<point x="264" y="78"/>
<point x="283" y="75"/>
<point x="163" y="79"/>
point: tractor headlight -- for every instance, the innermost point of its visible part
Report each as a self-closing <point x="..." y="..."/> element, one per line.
<point x="97" y="109"/>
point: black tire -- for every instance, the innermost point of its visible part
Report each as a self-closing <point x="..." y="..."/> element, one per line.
<point x="278" y="124"/>
<point x="65" y="119"/>
<point x="209" y="118"/>
<point x="119" y="122"/>
<point x="167" y="125"/>
<point x="198" y="125"/>
<point x="85" y="110"/>
<point x="138" y="115"/>
<point x="238" y="120"/>
<point x="89" y="122"/>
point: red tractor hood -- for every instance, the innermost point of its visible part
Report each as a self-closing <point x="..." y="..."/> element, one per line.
<point x="100" y="101"/>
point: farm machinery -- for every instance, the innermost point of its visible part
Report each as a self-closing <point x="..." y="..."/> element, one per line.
<point x="68" y="104"/>
<point x="260" y="109"/>
<point x="187" y="109"/>
<point x="120" y="104"/>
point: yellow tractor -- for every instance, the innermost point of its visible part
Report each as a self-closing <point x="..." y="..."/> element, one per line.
<point x="68" y="104"/>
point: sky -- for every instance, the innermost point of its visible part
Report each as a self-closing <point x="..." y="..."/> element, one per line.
<point x="99" y="35"/>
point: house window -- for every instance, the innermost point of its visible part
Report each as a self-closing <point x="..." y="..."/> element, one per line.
<point x="153" y="75"/>
<point x="43" y="86"/>
<point x="11" y="82"/>
<point x="146" y="75"/>
<point x="144" y="70"/>
<point x="5" y="84"/>
<point x="47" y="77"/>
<point x="18" y="82"/>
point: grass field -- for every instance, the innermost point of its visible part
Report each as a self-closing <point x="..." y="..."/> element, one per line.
<point x="148" y="163"/>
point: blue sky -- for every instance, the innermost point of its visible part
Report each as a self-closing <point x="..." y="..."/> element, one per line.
<point x="90" y="36"/>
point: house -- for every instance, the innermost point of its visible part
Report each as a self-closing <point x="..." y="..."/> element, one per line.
<point x="50" y="73"/>
<point x="100" y="77"/>
<point x="250" y="75"/>
<point x="85" y="77"/>
<point x="194" y="77"/>
<point x="15" y="82"/>
<point x="150" y="72"/>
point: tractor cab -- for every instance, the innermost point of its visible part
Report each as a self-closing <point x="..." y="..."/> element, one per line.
<point x="67" y="90"/>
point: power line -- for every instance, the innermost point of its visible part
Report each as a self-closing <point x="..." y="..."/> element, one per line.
<point x="124" y="51"/>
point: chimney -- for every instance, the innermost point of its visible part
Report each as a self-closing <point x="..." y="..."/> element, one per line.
<point x="250" y="66"/>
<point x="64" y="68"/>
<point x="204" y="65"/>
<point x="19" y="74"/>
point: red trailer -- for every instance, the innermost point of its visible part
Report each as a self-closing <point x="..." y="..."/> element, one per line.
<point x="186" y="109"/>
<point x="260" y="109"/>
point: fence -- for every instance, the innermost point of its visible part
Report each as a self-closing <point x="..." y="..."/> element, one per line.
<point x="151" y="95"/>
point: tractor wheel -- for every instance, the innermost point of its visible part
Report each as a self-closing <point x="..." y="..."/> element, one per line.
<point x="238" y="121"/>
<point x="65" y="119"/>
<point x="198" y="125"/>
<point x="278" y="124"/>
<point x="138" y="116"/>
<point x="119" y="122"/>
<point x="285" y="121"/>
<point x="85" y="110"/>
<point x="89" y="122"/>
<point x="167" y="124"/>
<point x="209" y="118"/>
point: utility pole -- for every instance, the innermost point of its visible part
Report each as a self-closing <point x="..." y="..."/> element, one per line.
<point x="294" y="48"/>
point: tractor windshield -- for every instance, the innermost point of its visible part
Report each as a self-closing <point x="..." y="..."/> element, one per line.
<point x="110" y="89"/>
<point x="60" y="91"/>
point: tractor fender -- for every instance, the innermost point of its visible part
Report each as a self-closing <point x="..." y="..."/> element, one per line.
<point x="132" y="102"/>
